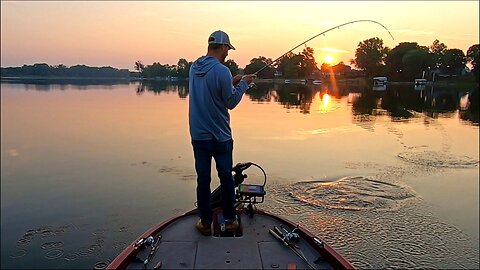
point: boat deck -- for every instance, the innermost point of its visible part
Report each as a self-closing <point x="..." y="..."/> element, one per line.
<point x="183" y="247"/>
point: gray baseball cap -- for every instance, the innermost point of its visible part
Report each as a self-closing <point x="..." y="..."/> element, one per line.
<point x="220" y="37"/>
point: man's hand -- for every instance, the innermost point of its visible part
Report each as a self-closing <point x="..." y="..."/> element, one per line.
<point x="236" y="79"/>
<point x="249" y="78"/>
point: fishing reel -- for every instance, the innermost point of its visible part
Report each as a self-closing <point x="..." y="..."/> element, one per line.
<point x="291" y="236"/>
<point x="251" y="86"/>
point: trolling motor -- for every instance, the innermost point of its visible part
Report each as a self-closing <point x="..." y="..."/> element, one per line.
<point x="245" y="193"/>
<point x="248" y="193"/>
<point x="238" y="169"/>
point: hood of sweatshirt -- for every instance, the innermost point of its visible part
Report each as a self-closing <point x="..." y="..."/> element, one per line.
<point x="203" y="64"/>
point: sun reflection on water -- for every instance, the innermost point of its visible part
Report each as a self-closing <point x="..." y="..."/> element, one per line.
<point x="322" y="102"/>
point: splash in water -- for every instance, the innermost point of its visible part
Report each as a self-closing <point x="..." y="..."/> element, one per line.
<point x="351" y="193"/>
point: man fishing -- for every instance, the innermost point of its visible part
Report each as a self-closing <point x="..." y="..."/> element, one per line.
<point x="212" y="92"/>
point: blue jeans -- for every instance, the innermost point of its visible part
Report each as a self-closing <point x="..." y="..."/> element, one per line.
<point x="222" y="153"/>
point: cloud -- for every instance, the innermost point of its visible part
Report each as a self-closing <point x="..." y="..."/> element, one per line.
<point x="457" y="36"/>
<point x="411" y="32"/>
<point x="421" y="33"/>
<point x="332" y="50"/>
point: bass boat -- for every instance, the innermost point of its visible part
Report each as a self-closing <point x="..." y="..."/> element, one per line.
<point x="262" y="240"/>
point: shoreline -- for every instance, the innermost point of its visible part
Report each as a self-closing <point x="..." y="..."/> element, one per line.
<point x="355" y="81"/>
<point x="363" y="81"/>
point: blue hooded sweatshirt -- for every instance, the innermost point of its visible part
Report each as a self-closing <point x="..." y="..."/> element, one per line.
<point x="211" y="95"/>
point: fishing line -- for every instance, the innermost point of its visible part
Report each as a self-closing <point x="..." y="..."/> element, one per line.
<point x="322" y="33"/>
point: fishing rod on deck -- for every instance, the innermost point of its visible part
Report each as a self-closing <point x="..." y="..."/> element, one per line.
<point x="317" y="35"/>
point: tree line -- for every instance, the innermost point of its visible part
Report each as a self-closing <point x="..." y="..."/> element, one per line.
<point x="409" y="60"/>
<point x="180" y="70"/>
<point x="292" y="65"/>
<point x="45" y="70"/>
<point x="405" y="62"/>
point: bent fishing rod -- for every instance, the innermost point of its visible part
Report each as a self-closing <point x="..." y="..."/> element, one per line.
<point x="322" y="33"/>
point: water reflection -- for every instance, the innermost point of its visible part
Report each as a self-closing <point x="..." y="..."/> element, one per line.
<point x="472" y="104"/>
<point x="306" y="98"/>
<point x="157" y="87"/>
<point x="400" y="102"/>
<point x="322" y="102"/>
<point x="49" y="84"/>
<point x="87" y="149"/>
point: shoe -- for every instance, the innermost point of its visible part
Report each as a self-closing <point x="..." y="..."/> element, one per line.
<point x="231" y="225"/>
<point x="205" y="229"/>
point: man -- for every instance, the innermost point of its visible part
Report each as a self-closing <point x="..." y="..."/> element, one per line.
<point x="212" y="92"/>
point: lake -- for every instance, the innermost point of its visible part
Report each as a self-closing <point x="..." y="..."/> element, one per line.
<point x="388" y="178"/>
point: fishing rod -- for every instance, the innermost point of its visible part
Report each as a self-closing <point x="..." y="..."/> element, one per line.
<point x="277" y="233"/>
<point x="322" y="33"/>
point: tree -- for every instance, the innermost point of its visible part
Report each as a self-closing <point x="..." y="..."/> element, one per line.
<point x="232" y="66"/>
<point x="290" y="65"/>
<point x="341" y="68"/>
<point x="159" y="70"/>
<point x="453" y="62"/>
<point x="258" y="63"/>
<point x="41" y="69"/>
<point x="370" y="56"/>
<point x="139" y="66"/>
<point x="394" y="61"/>
<point x="437" y="49"/>
<point x="308" y="63"/>
<point x="183" y="68"/>
<point x="415" y="62"/>
<point x="325" y="67"/>
<point x="473" y="58"/>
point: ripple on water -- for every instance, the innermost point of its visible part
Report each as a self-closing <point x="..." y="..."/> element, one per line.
<point x="52" y="245"/>
<point x="51" y="240"/>
<point x="18" y="253"/>
<point x="438" y="159"/>
<point x="53" y="254"/>
<point x="409" y="237"/>
<point x="351" y="193"/>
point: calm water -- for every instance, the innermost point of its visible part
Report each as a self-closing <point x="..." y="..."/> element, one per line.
<point x="390" y="179"/>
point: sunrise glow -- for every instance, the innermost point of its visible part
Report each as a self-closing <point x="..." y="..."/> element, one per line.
<point x="117" y="34"/>
<point x="328" y="59"/>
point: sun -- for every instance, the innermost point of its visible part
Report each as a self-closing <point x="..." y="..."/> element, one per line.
<point x="328" y="59"/>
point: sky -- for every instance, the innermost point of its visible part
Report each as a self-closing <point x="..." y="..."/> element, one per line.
<point x="118" y="33"/>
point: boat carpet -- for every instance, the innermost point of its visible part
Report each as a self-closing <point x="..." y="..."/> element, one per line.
<point x="183" y="247"/>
